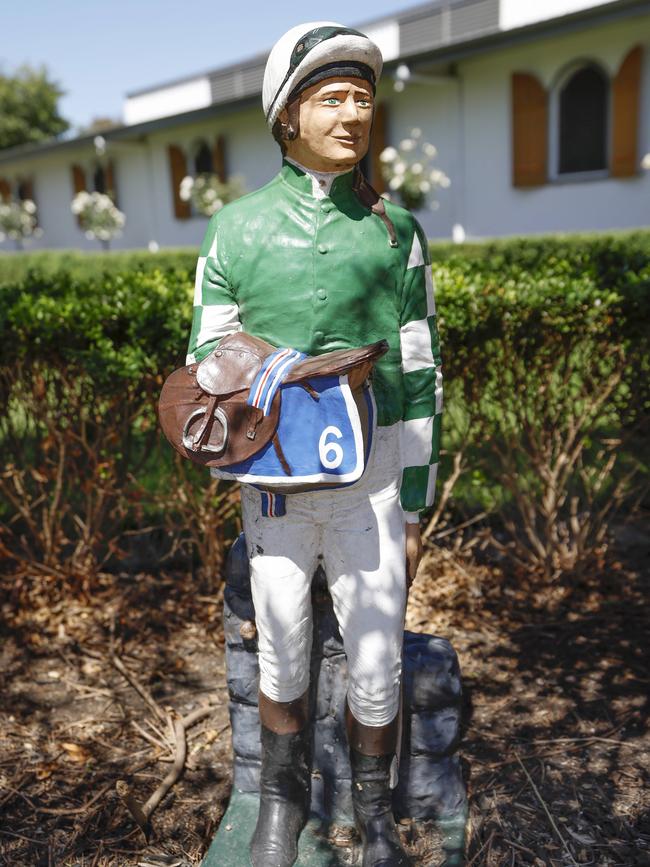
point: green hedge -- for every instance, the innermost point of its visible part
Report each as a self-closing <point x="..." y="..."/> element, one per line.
<point x="535" y="331"/>
<point x="15" y="267"/>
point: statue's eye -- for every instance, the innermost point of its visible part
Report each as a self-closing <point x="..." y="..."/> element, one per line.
<point x="332" y="100"/>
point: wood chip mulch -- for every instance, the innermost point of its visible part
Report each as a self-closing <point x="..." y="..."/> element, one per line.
<point x="556" y="746"/>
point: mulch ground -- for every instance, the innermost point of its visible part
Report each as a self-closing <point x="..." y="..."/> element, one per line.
<point x="556" y="747"/>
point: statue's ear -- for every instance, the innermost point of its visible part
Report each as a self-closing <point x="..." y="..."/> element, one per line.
<point x="292" y="121"/>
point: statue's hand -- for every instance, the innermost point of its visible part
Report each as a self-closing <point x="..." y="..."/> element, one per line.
<point x="413" y="551"/>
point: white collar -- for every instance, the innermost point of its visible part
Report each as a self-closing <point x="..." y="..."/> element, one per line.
<point x="321" y="182"/>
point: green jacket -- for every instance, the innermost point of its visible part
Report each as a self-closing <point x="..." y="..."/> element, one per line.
<point x="318" y="275"/>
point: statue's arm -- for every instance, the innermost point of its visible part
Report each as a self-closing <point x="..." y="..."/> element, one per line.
<point x="215" y="313"/>
<point x="422" y="381"/>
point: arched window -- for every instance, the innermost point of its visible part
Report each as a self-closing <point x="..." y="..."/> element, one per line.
<point x="202" y="159"/>
<point x="582" y="121"/>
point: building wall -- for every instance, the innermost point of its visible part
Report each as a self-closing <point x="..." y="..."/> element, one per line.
<point x="468" y="119"/>
<point x="432" y="108"/>
<point x="250" y="152"/>
<point x="516" y="13"/>
<point x="53" y="192"/>
<point x="142" y="179"/>
<point x="492" y="205"/>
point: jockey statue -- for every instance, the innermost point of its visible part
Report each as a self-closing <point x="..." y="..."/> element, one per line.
<point x="309" y="262"/>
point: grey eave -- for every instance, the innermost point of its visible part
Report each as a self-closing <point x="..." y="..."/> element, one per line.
<point x="245" y="78"/>
<point x="574" y="21"/>
<point x="134" y="133"/>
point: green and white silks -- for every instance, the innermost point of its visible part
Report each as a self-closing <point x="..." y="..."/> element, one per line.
<point x="318" y="274"/>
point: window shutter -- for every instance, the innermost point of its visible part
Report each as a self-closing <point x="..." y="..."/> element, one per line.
<point x="626" y="89"/>
<point x="377" y="144"/>
<point x="78" y="179"/>
<point x="219" y="159"/>
<point x="109" y="175"/>
<point x="529" y="131"/>
<point x="5" y="190"/>
<point x="177" y="171"/>
<point x="78" y="183"/>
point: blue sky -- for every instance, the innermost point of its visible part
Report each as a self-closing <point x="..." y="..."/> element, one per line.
<point x="99" y="50"/>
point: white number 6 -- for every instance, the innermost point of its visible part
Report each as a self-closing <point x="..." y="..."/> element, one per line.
<point x="326" y="449"/>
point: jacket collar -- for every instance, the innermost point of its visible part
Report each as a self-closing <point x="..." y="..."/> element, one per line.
<point x="299" y="181"/>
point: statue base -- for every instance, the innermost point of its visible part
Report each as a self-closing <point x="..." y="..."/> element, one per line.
<point x="430" y="786"/>
<point x="230" y="845"/>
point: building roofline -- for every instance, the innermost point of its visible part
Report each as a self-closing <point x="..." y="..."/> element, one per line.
<point x="618" y="9"/>
<point x="252" y="60"/>
<point x="615" y="10"/>
<point x="133" y="133"/>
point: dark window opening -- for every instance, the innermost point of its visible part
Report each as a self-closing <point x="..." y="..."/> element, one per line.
<point x="99" y="180"/>
<point x="203" y="160"/>
<point x="583" y="122"/>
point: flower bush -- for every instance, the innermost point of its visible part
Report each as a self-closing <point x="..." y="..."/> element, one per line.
<point x="208" y="194"/>
<point x="18" y="221"/>
<point x="98" y="216"/>
<point x="410" y="173"/>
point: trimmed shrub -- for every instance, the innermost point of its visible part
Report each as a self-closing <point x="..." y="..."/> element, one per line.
<point x="545" y="347"/>
<point x="545" y="350"/>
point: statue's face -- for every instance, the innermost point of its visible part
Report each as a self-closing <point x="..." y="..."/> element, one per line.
<point x="335" y="120"/>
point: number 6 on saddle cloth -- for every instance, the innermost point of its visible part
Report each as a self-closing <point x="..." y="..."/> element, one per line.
<point x="274" y="418"/>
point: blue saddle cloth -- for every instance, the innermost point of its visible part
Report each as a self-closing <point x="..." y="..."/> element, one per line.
<point x="320" y="431"/>
<point x="322" y="440"/>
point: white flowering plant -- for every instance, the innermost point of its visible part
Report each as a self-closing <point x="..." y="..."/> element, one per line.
<point x="98" y="216"/>
<point x="18" y="221"/>
<point x="208" y="194"/>
<point x="409" y="171"/>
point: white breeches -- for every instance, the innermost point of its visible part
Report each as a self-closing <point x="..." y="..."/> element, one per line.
<point x="359" y="532"/>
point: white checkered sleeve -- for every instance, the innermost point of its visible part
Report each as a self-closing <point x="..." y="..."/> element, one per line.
<point x="422" y="378"/>
<point x="216" y="313"/>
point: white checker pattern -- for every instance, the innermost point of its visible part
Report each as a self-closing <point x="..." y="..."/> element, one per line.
<point x="417" y="439"/>
<point x="431" y="484"/>
<point x="416" y="256"/>
<point x="198" y="280"/>
<point x="217" y="320"/>
<point x="415" y="342"/>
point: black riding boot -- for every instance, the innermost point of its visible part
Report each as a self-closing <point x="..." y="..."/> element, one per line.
<point x="373" y="811"/>
<point x="285" y="795"/>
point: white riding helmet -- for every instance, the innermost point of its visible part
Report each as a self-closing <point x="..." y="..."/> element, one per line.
<point x="312" y="52"/>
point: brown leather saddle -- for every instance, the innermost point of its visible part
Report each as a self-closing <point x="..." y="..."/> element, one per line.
<point x="203" y="407"/>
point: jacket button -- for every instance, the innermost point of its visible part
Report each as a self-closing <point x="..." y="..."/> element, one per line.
<point x="327" y="207"/>
<point x="318" y="336"/>
<point x="322" y="248"/>
<point x="322" y="294"/>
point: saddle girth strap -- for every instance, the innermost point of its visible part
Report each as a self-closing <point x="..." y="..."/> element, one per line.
<point x="284" y="463"/>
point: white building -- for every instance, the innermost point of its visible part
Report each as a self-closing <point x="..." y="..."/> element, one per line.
<point x="539" y="109"/>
